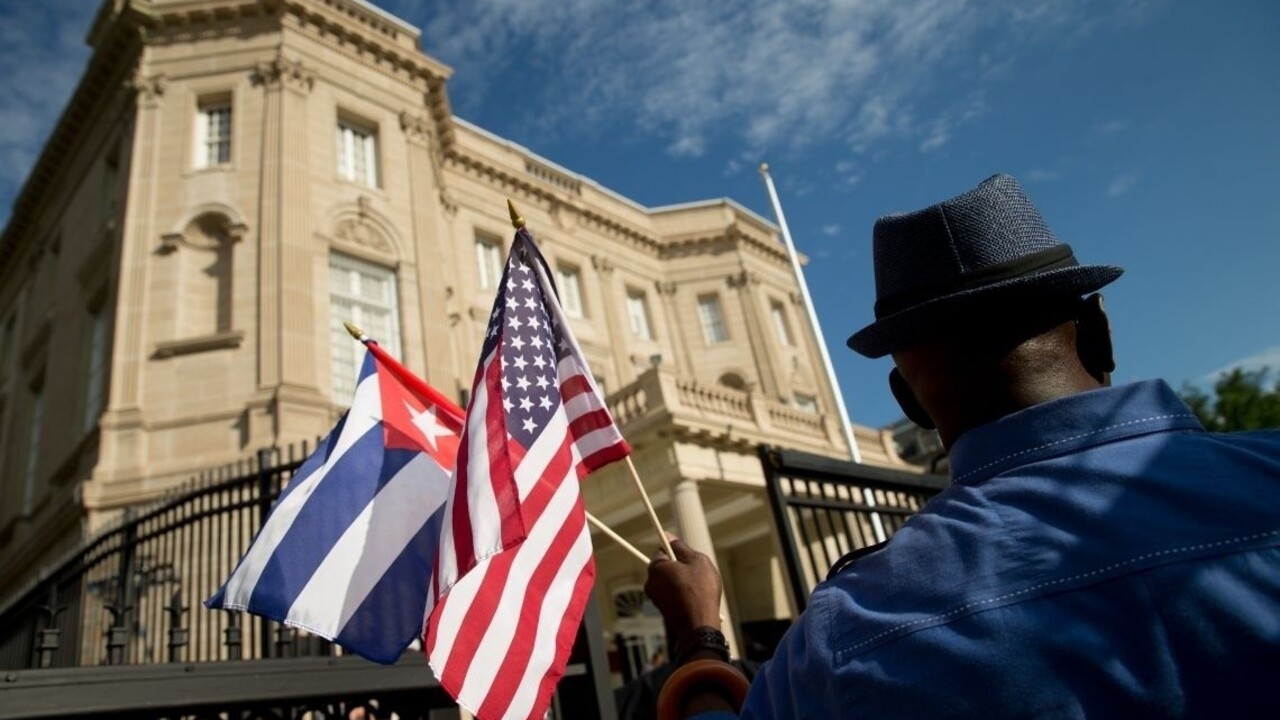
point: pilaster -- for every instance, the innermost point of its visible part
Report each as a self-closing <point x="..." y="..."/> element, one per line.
<point x="123" y="439"/>
<point x="287" y="324"/>
<point x="432" y="252"/>
<point x="614" y="319"/>
<point x="747" y="284"/>
<point x="667" y="298"/>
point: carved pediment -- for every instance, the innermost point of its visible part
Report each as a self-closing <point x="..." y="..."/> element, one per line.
<point x="358" y="231"/>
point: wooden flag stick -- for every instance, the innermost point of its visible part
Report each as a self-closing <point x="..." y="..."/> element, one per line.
<point x="648" y="506"/>
<point x="595" y="522"/>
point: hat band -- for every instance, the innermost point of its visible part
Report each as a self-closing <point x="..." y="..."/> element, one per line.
<point x="1059" y="256"/>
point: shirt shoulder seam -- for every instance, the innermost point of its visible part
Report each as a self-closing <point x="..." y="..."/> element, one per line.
<point x="1061" y="441"/>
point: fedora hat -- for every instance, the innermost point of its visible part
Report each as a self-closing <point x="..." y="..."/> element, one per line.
<point x="988" y="247"/>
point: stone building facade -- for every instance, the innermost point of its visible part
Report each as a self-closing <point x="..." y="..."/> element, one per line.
<point x="234" y="178"/>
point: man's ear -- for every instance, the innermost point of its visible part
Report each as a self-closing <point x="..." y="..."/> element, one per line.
<point x="1093" y="339"/>
<point x="906" y="398"/>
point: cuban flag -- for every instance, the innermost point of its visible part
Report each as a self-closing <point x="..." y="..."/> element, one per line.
<point x="347" y="552"/>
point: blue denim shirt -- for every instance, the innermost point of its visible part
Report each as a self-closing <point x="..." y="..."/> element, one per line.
<point x="1097" y="556"/>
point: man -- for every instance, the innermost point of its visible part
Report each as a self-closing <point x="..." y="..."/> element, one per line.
<point x="1097" y="553"/>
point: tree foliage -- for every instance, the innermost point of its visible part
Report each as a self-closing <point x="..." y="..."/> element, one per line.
<point x="1241" y="400"/>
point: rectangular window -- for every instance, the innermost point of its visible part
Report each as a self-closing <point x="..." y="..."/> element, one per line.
<point x="213" y="133"/>
<point x="365" y="294"/>
<point x="97" y="368"/>
<point x="357" y="154"/>
<point x="808" y="403"/>
<point x="780" y="324"/>
<point x="638" y="313"/>
<point x="489" y="262"/>
<point x="569" y="282"/>
<point x="712" y="317"/>
<point x="34" y="428"/>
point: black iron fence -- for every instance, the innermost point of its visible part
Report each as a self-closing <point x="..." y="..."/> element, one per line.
<point x="117" y="629"/>
<point x="132" y="595"/>
<point x="826" y="508"/>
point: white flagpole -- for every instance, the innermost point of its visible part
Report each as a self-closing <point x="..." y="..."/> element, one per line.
<point x="841" y="411"/>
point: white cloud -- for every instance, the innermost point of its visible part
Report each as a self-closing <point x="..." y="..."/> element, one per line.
<point x="1121" y="185"/>
<point x="1268" y="358"/>
<point x="831" y="230"/>
<point x="1111" y="128"/>
<point x="1041" y="175"/>
<point x="758" y="73"/>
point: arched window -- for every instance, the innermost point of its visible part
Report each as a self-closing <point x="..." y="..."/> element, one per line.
<point x="204" y="281"/>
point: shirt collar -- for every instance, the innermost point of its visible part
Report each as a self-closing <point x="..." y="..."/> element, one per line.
<point x="1066" y="425"/>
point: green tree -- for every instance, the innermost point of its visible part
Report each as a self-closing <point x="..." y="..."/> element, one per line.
<point x="1241" y="400"/>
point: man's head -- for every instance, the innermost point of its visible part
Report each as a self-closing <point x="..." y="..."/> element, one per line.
<point x="981" y="307"/>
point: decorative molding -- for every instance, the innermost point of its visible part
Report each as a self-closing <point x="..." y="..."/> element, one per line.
<point x="147" y="89"/>
<point x="602" y="264"/>
<point x="186" y="346"/>
<point x="665" y="287"/>
<point x="746" y="278"/>
<point x="358" y="231"/>
<point x="283" y="72"/>
<point x="416" y="128"/>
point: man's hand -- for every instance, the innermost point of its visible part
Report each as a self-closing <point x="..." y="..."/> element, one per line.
<point x="686" y="590"/>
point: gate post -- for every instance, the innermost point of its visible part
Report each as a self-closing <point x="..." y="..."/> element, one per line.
<point x="782" y="519"/>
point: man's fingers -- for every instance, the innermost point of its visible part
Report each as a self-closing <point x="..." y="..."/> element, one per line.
<point x="683" y="552"/>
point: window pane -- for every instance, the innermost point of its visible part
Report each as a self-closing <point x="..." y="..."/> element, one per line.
<point x="638" y="313"/>
<point x="357" y="154"/>
<point x="213" y="135"/>
<point x="570" y="285"/>
<point x="712" y="317"/>
<point x="780" y="323"/>
<point x="488" y="263"/>
<point x="365" y="294"/>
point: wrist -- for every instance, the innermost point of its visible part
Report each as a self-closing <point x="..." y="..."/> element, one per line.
<point x="702" y="642"/>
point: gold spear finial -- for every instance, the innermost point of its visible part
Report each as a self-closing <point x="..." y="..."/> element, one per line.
<point x="356" y="332"/>
<point x="516" y="221"/>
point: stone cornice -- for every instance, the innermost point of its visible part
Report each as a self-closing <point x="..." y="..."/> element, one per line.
<point x="533" y="190"/>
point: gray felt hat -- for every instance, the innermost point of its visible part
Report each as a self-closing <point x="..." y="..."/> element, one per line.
<point x="987" y="246"/>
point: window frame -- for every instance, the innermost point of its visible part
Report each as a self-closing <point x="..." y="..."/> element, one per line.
<point x="206" y="106"/>
<point x="569" y="283"/>
<point x="707" y="300"/>
<point x="781" y="323"/>
<point x="343" y="388"/>
<point x="347" y="153"/>
<point x="638" y="307"/>
<point x="489" y="269"/>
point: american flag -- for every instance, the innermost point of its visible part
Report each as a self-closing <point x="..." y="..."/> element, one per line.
<point x="515" y="569"/>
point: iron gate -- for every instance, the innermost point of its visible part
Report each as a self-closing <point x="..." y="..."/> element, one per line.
<point x="826" y="508"/>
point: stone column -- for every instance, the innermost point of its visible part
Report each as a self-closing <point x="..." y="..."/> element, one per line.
<point x="123" y="444"/>
<point x="667" y="299"/>
<point x="691" y="526"/>
<point x="746" y="283"/>
<point x="614" y="321"/>
<point x="432" y="252"/>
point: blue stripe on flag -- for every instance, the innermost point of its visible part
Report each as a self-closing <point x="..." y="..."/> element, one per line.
<point x="333" y="504"/>
<point x="391" y="616"/>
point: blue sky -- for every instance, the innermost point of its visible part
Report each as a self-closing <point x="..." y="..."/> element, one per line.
<point x="1147" y="131"/>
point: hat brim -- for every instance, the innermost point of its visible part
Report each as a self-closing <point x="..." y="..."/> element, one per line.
<point x="915" y="324"/>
